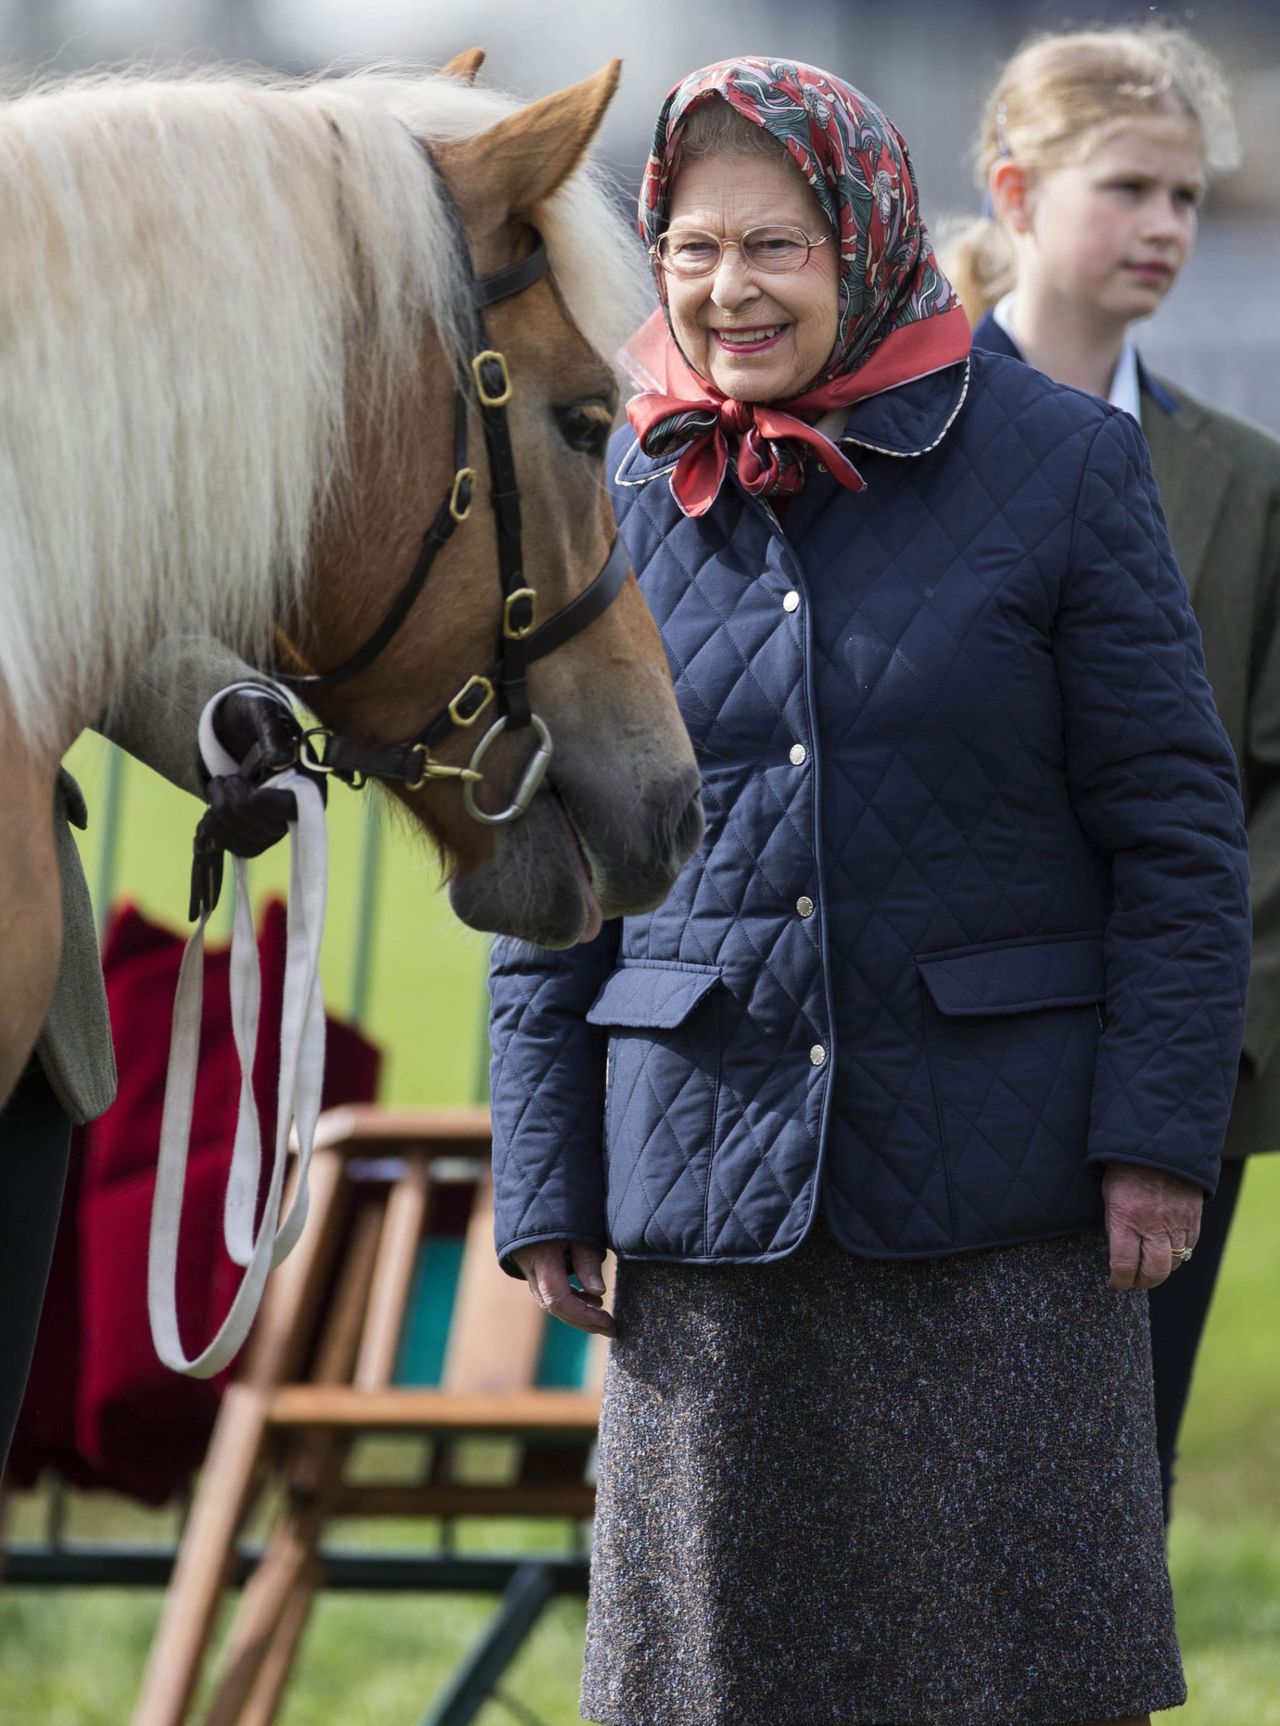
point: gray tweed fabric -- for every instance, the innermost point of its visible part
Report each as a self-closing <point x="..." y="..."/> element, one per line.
<point x="837" y="1491"/>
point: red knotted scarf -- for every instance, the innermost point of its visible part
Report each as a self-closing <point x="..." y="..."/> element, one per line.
<point x="898" y="317"/>
<point x="757" y="434"/>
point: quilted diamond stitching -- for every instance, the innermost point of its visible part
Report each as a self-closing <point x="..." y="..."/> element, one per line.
<point x="936" y="834"/>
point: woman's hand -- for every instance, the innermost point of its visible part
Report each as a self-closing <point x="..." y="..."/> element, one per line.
<point x="546" y="1268"/>
<point x="1150" y="1216"/>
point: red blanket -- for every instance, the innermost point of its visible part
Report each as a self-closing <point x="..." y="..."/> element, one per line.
<point x="99" y="1406"/>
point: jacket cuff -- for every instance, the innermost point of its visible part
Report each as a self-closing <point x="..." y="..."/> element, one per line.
<point x="512" y="1269"/>
<point x="1102" y="1158"/>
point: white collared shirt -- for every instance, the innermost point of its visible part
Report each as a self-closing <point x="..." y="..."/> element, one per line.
<point x="1125" y="391"/>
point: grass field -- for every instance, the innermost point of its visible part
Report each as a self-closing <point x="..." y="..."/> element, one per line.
<point x="72" y="1658"/>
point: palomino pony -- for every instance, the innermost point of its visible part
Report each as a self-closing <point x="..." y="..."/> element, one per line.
<point x="235" y="319"/>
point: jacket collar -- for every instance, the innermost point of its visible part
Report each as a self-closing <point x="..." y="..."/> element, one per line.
<point x="1191" y="474"/>
<point x="909" y="420"/>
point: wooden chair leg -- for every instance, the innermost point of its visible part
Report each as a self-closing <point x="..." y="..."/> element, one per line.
<point x="227" y="1480"/>
<point x="204" y="1558"/>
<point x="273" y="1675"/>
<point x="274" y="1595"/>
<point x="271" y="1619"/>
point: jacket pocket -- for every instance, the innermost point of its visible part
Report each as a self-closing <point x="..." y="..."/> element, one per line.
<point x="1011" y="1034"/>
<point x="662" y="1082"/>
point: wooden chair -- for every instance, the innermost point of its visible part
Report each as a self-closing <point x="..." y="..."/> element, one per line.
<point x="391" y="1316"/>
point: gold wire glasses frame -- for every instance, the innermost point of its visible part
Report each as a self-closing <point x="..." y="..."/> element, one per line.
<point x="774" y="250"/>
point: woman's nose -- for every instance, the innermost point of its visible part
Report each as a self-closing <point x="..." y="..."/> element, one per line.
<point x="733" y="284"/>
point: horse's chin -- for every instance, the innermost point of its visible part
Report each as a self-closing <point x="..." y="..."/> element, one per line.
<point x="537" y="884"/>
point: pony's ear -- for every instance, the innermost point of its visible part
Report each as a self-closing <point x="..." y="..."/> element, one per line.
<point x="509" y="170"/>
<point x="464" y="66"/>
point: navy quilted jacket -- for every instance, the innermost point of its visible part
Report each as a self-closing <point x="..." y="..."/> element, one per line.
<point x="970" y="918"/>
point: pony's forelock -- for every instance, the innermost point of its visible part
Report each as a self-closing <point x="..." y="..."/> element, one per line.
<point x="186" y="263"/>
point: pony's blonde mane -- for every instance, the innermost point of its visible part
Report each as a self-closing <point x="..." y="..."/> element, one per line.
<point x="183" y="267"/>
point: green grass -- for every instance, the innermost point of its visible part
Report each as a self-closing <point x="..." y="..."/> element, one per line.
<point x="73" y="1657"/>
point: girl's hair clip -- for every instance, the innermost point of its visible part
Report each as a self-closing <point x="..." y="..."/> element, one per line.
<point x="1002" y="130"/>
<point x="1002" y="151"/>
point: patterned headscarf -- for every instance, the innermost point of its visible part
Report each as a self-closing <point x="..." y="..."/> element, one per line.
<point x="898" y="316"/>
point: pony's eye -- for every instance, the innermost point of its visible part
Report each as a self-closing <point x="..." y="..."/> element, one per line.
<point x="585" y="426"/>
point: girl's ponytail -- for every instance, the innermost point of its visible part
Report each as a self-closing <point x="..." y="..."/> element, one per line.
<point x="977" y="260"/>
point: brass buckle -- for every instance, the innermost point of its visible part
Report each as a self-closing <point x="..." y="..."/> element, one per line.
<point x="518" y="632"/>
<point x="460" y="718"/>
<point x="315" y="756"/>
<point x="465" y="476"/>
<point x="482" y="392"/>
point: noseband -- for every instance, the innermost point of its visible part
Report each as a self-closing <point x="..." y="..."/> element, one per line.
<point x="522" y="640"/>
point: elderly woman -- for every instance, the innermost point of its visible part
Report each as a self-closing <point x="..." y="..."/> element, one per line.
<point x="916" y="1083"/>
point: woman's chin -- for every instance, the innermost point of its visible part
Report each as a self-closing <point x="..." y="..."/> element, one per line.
<point x="745" y="383"/>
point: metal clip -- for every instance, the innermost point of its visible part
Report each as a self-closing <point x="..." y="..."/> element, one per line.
<point x="438" y="770"/>
<point x="456" y="709"/>
<point x="460" y="497"/>
<point x="519" y="631"/>
<point x="530" y="780"/>
<point x="486" y="397"/>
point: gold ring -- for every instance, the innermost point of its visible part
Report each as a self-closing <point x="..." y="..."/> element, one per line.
<point x="1182" y="1254"/>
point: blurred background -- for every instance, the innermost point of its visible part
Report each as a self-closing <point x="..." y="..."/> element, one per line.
<point x="416" y="983"/>
<point x="928" y="65"/>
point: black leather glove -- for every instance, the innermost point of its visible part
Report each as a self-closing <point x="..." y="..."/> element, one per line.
<point x="247" y="813"/>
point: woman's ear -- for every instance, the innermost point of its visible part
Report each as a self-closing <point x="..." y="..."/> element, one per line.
<point x="1010" y="186"/>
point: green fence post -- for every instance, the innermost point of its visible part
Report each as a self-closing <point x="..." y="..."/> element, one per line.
<point x="109" y="843"/>
<point x="366" y="910"/>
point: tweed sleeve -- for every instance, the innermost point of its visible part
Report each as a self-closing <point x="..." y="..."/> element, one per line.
<point x="156" y="714"/>
<point x="547" y="1093"/>
<point x="1153" y="782"/>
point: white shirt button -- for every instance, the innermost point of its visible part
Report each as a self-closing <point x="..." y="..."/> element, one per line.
<point x="791" y="600"/>
<point x="799" y="754"/>
<point x="804" y="905"/>
<point x="817" y="1054"/>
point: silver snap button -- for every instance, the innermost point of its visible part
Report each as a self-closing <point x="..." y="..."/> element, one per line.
<point x="817" y="1054"/>
<point x="791" y="600"/>
<point x="799" y="754"/>
<point x="804" y="905"/>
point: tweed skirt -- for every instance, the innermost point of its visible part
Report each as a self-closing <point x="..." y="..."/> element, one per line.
<point x="836" y="1491"/>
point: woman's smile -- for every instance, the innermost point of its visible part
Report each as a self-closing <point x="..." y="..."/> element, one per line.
<point x="757" y="335"/>
<point x="753" y="341"/>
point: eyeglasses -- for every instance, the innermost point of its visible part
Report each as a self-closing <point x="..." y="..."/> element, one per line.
<point x="773" y="250"/>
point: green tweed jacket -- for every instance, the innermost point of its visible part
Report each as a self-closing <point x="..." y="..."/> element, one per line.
<point x="1219" y="481"/>
<point x="155" y="718"/>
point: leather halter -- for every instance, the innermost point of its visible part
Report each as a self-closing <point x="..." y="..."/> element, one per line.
<point x="521" y="639"/>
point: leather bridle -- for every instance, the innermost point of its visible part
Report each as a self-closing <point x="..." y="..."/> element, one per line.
<point x="521" y="640"/>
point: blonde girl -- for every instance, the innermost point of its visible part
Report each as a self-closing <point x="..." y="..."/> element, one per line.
<point x="1095" y="151"/>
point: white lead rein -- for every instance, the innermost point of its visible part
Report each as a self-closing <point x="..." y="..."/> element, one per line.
<point x="298" y="1096"/>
